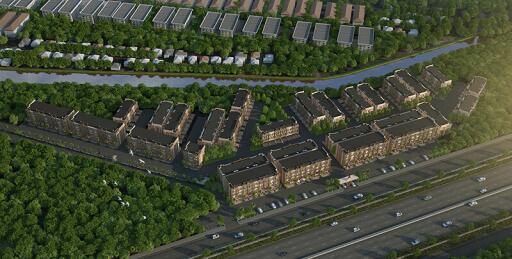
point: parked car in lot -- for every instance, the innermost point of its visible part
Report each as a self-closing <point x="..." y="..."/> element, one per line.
<point x="392" y="168"/>
<point x="304" y="195"/>
<point x="279" y="203"/>
<point x="358" y="196"/>
<point x="314" y="193"/>
<point x="472" y="203"/>
<point x="273" y="205"/>
<point x="415" y="242"/>
<point x="425" y="157"/>
<point x="483" y="190"/>
<point x="215" y="236"/>
<point x="411" y="162"/>
<point x="259" y="210"/>
<point x="481" y="179"/>
<point x="239" y="235"/>
<point x="286" y="201"/>
<point x="383" y="170"/>
<point x="427" y="198"/>
<point x="403" y="165"/>
<point x="398" y="214"/>
<point x="334" y="223"/>
<point x="447" y="223"/>
<point x="355" y="229"/>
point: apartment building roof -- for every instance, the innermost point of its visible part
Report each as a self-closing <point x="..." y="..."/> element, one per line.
<point x="327" y="104"/>
<point x="330" y="10"/>
<point x="176" y="116"/>
<point x="275" y="125"/>
<point x="349" y="133"/>
<point x="411" y="81"/>
<point x="308" y="104"/>
<point x="346" y="34"/>
<point x="212" y="125"/>
<point x="49" y="109"/>
<point x="397" y="85"/>
<point x="346" y="12"/>
<point x="151" y="136"/>
<point x="302" y="159"/>
<point x="359" y="12"/>
<point x="164" y="14"/>
<point x="17" y="21"/>
<point x="409" y="127"/>
<point x="210" y="20"/>
<point x="257" y="6"/>
<point x="271" y="26"/>
<point x="356" y="98"/>
<point x="396" y="119"/>
<point x="245" y="5"/>
<point x="96" y="122"/>
<point x="230" y="125"/>
<point x="362" y="141"/>
<point x="365" y="36"/>
<point x="243" y="164"/>
<point x="51" y="6"/>
<point x="289" y="6"/>
<point x="251" y="174"/>
<point x="218" y="4"/>
<point x="273" y="7"/>
<point x="301" y="31"/>
<point x="69" y="6"/>
<point x="438" y="118"/>
<point x="241" y="97"/>
<point x="300" y="9"/>
<point x="109" y="8"/>
<point x="293" y="149"/>
<point x="229" y="22"/>
<point x="182" y="16"/>
<point x="468" y="103"/>
<point x="436" y="73"/>
<point x="477" y="85"/>
<point x="321" y="32"/>
<point x="141" y="13"/>
<point x="252" y="25"/>
<point x="371" y="93"/>
<point x="316" y="9"/>
<point x="161" y="113"/>
<point x="7" y="18"/>
<point x="124" y="10"/>
<point x="125" y="108"/>
<point x="92" y="7"/>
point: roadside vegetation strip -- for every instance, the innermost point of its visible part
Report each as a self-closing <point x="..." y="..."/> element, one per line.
<point x="350" y="210"/>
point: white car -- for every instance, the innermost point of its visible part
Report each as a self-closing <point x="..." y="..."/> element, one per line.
<point x="415" y="242"/>
<point x="314" y="193"/>
<point x="215" y="236"/>
<point x="483" y="190"/>
<point x="481" y="179"/>
<point x="392" y="168"/>
<point x="273" y="205"/>
<point x="259" y="210"/>
<point x="447" y="223"/>
<point x="358" y="196"/>
<point x="472" y="203"/>
<point x="427" y="198"/>
<point x="425" y="157"/>
<point x="334" y="223"/>
<point x="411" y="162"/>
<point x="239" y="235"/>
<point x="304" y="195"/>
<point x="398" y="214"/>
<point x="286" y="201"/>
<point x="383" y="170"/>
<point x="355" y="229"/>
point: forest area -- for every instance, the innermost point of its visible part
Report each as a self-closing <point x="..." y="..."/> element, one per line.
<point x="66" y="206"/>
<point x="435" y="19"/>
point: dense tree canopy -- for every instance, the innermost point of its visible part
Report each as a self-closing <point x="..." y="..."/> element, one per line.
<point x="59" y="205"/>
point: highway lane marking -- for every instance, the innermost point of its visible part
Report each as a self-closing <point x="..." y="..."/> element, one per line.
<point x="409" y="222"/>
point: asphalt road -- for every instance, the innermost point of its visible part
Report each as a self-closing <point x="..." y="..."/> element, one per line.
<point x="343" y="199"/>
<point x="370" y="222"/>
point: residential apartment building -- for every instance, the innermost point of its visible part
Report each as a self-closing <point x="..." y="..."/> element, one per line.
<point x="231" y="129"/>
<point x="249" y="178"/>
<point x="470" y="97"/>
<point x="365" y="39"/>
<point x="444" y="125"/>
<point x="306" y="109"/>
<point x="126" y="111"/>
<point x="332" y="138"/>
<point x="359" y="13"/>
<point x="159" y="118"/>
<point x="193" y="155"/>
<point x="49" y="117"/>
<point x="372" y="96"/>
<point x="361" y="149"/>
<point x="278" y="130"/>
<point x="176" y="120"/>
<point x="412" y="83"/>
<point x="434" y="78"/>
<point x="410" y="134"/>
<point x="97" y="130"/>
<point x="346" y="13"/>
<point x="152" y="144"/>
<point x="355" y="102"/>
<point x="398" y="92"/>
<point x="242" y="101"/>
<point x="327" y="106"/>
<point x="212" y="127"/>
<point x="300" y="162"/>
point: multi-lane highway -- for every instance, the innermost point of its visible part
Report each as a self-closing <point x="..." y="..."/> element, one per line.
<point x="266" y="224"/>
<point x="382" y="231"/>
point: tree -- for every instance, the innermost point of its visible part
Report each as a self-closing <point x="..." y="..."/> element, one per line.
<point x="220" y="220"/>
<point x="292" y="198"/>
<point x="293" y="222"/>
<point x="405" y="185"/>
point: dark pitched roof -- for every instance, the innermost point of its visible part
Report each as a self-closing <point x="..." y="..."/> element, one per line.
<point x="433" y="113"/>
<point x="362" y="141"/>
<point x="212" y="125"/>
<point x="350" y="132"/>
<point x="241" y="97"/>
<point x="96" y="122"/>
<point x="243" y="164"/>
<point x="436" y="73"/>
<point x="398" y="118"/>
<point x="251" y="174"/>
<point x="410" y="127"/>
<point x="49" y="109"/>
<point x="411" y="81"/>
<point x="397" y="85"/>
<point x="161" y="113"/>
<point x="177" y="114"/>
<point x="151" y="136"/>
<point x="230" y="125"/>
<point x="468" y="103"/>
<point x="308" y="104"/>
<point x="302" y="159"/>
<point x="275" y="125"/>
<point x="125" y="108"/>
<point x="293" y="149"/>
<point x="356" y="98"/>
<point x="193" y="147"/>
<point x="371" y="93"/>
<point x="477" y="85"/>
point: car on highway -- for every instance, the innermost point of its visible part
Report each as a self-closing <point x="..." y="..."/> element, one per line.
<point x="383" y="170"/>
<point x="279" y="203"/>
<point x="425" y="157"/>
<point x="399" y="214"/>
<point x="481" y="179"/>
<point x="273" y="205"/>
<point x="472" y="203"/>
<point x="355" y="229"/>
<point x="282" y="253"/>
<point x="304" y="195"/>
<point x="427" y="198"/>
<point x="286" y="201"/>
<point x="411" y="162"/>
<point x="215" y="236"/>
<point x="358" y="196"/>
<point x="483" y="190"/>
<point x="415" y="242"/>
<point x="334" y="223"/>
<point x="314" y="193"/>
<point x="259" y="210"/>
<point x="238" y="235"/>
<point x="447" y="223"/>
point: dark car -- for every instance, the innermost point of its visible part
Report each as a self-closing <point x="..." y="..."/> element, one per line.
<point x="282" y="253"/>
